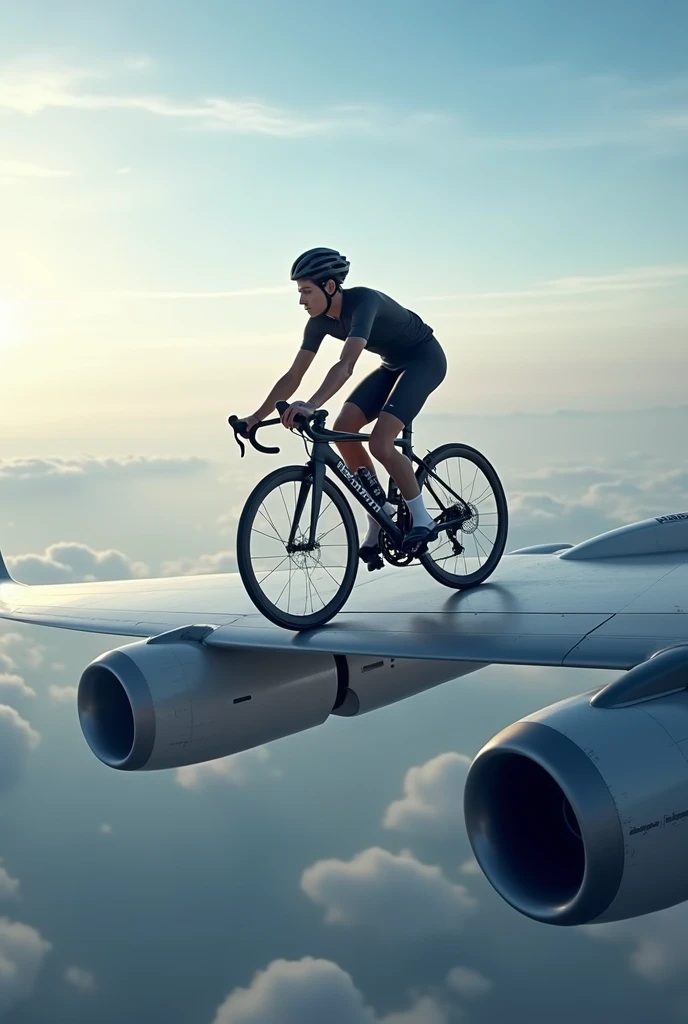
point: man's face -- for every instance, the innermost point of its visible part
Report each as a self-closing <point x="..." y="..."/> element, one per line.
<point x="311" y="297"/>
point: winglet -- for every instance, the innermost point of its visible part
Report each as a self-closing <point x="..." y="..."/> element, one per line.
<point x="4" y="572"/>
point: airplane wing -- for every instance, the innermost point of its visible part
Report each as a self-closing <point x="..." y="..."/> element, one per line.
<point x="595" y="789"/>
<point x="609" y="602"/>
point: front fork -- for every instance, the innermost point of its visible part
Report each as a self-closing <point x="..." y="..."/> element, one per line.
<point x="314" y="479"/>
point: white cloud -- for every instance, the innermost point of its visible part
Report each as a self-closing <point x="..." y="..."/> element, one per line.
<point x="22" y="951"/>
<point x="631" y="280"/>
<point x="468" y="982"/>
<point x="235" y="770"/>
<point x="79" y="978"/>
<point x="71" y="562"/>
<point x="12" y="171"/>
<point x="17" y="740"/>
<point x="432" y="804"/>
<point x="395" y="895"/>
<point x="9" y="682"/>
<point x="141" y="63"/>
<point x="312" y="991"/>
<point x="242" y="293"/>
<point x="223" y="561"/>
<point x="470" y="867"/>
<point x="307" y="991"/>
<point x="424" y="1011"/>
<point x="63" y="694"/>
<point x="30" y="87"/>
<point x="9" y="887"/>
<point x="581" y="502"/>
<point x="25" y="654"/>
<point x="48" y="474"/>
<point x="657" y="942"/>
<point x="105" y="829"/>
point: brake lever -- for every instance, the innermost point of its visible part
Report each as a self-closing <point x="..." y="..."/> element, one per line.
<point x="233" y="422"/>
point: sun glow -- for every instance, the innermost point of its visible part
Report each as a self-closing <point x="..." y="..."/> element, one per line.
<point x="9" y="324"/>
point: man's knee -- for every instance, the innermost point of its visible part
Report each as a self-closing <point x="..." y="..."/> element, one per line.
<point x="381" y="446"/>
<point x="350" y="420"/>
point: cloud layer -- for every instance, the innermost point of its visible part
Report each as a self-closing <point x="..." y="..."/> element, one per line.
<point x="33" y="86"/>
<point x="9" y="887"/>
<point x="313" y="991"/>
<point x="395" y="895"/>
<point x="80" y="979"/>
<point x="17" y="740"/>
<point x="235" y="770"/>
<point x="71" y="562"/>
<point x="22" y="951"/>
<point x="432" y="804"/>
<point x="50" y="474"/>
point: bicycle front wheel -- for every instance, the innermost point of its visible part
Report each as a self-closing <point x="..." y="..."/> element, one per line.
<point x="463" y="487"/>
<point x="296" y="584"/>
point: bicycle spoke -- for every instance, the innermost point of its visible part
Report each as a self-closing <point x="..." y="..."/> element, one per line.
<point x="270" y="523"/>
<point x="313" y="572"/>
<point x="474" y="501"/>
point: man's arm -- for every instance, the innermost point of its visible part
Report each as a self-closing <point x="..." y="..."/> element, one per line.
<point x="286" y="385"/>
<point x="335" y="379"/>
<point x="340" y="372"/>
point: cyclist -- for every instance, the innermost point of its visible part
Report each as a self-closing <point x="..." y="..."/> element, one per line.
<point x="412" y="366"/>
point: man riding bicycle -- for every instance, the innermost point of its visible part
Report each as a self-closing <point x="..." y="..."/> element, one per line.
<point x="412" y="366"/>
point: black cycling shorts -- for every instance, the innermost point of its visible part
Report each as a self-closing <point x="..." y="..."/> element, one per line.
<point x="404" y="391"/>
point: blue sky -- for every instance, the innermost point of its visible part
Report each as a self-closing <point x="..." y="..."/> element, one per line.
<point x="515" y="173"/>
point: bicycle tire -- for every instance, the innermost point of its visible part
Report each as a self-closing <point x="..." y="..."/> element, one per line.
<point x="433" y="460"/>
<point x="297" y="474"/>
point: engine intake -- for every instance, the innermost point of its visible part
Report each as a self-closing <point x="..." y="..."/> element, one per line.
<point x="579" y="813"/>
<point x="151" y="705"/>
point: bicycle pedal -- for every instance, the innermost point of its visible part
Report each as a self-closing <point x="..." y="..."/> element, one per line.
<point x="366" y="554"/>
<point x="372" y="557"/>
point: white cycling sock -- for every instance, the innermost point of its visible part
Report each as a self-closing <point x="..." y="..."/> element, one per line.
<point x="370" y="539"/>
<point x="419" y="514"/>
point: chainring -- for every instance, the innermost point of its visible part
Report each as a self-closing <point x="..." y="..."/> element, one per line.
<point x="390" y="553"/>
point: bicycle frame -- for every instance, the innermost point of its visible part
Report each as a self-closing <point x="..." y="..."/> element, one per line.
<point x="323" y="456"/>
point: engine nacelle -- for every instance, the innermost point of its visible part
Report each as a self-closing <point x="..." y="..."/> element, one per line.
<point x="373" y="683"/>
<point x="153" y="704"/>
<point x="172" y="700"/>
<point x="579" y="812"/>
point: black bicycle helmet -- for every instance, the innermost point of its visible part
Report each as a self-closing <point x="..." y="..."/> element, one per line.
<point x="320" y="265"/>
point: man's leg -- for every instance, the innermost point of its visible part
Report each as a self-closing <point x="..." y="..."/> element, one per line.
<point x="400" y="468"/>
<point x="398" y="465"/>
<point x="418" y="380"/>
<point x="352" y="420"/>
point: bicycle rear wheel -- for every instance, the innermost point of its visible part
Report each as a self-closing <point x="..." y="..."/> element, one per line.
<point x="463" y="487"/>
<point x="294" y="584"/>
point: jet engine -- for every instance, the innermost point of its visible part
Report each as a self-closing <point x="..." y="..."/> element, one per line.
<point x="579" y="813"/>
<point x="173" y="700"/>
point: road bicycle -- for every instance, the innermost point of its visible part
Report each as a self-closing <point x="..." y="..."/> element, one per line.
<point x="297" y="539"/>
